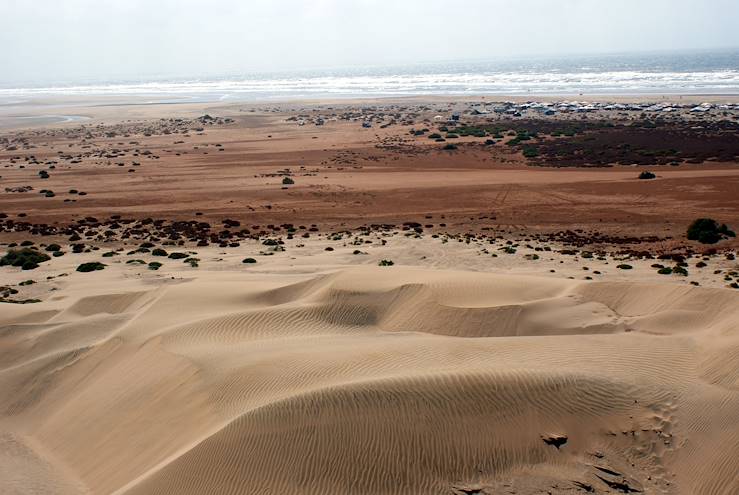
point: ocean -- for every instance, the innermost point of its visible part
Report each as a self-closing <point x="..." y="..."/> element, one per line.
<point x="715" y="72"/>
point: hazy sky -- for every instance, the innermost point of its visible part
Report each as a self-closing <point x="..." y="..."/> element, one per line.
<point x="58" y="40"/>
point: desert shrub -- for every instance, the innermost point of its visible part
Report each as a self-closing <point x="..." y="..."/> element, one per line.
<point x="110" y="254"/>
<point x="135" y="262"/>
<point x="26" y="258"/>
<point x="679" y="270"/>
<point x="287" y="181"/>
<point x="530" y="152"/>
<point x="27" y="282"/>
<point x="624" y="266"/>
<point x="708" y="231"/>
<point x="249" y="260"/>
<point x="90" y="267"/>
<point x="647" y="175"/>
<point x="178" y="256"/>
<point x="386" y="263"/>
<point x="450" y="147"/>
<point x="159" y="252"/>
<point x="665" y="270"/>
<point x="155" y="265"/>
<point x="53" y="248"/>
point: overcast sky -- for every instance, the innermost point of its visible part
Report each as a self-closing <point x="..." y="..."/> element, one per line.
<point x="63" y="40"/>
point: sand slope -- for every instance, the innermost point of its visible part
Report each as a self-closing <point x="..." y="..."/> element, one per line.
<point x="372" y="380"/>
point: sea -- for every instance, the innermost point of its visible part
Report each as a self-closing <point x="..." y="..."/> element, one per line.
<point x="697" y="72"/>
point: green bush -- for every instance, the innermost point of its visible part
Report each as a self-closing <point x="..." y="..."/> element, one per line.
<point x="646" y="175"/>
<point x="249" y="260"/>
<point x="287" y="181"/>
<point x="386" y="263"/>
<point x="708" y="231"/>
<point x="624" y="266"/>
<point x="159" y="252"/>
<point x="90" y="267"/>
<point x="679" y="270"/>
<point x="178" y="256"/>
<point x="26" y="258"/>
<point x="530" y="152"/>
<point x="155" y="265"/>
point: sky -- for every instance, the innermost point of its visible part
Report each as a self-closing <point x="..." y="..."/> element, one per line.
<point x="76" y="40"/>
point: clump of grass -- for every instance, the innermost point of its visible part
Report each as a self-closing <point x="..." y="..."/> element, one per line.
<point x="91" y="267"/>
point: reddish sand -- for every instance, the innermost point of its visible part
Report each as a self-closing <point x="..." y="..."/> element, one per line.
<point x="347" y="176"/>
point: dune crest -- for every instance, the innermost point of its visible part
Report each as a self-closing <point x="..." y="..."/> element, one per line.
<point x="374" y="380"/>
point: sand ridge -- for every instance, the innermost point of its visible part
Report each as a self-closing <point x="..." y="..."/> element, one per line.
<point x="376" y="380"/>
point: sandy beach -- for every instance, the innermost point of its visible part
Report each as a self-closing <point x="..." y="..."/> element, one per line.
<point x="323" y="297"/>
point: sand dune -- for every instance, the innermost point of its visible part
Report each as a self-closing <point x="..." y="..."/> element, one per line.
<point x="372" y="380"/>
